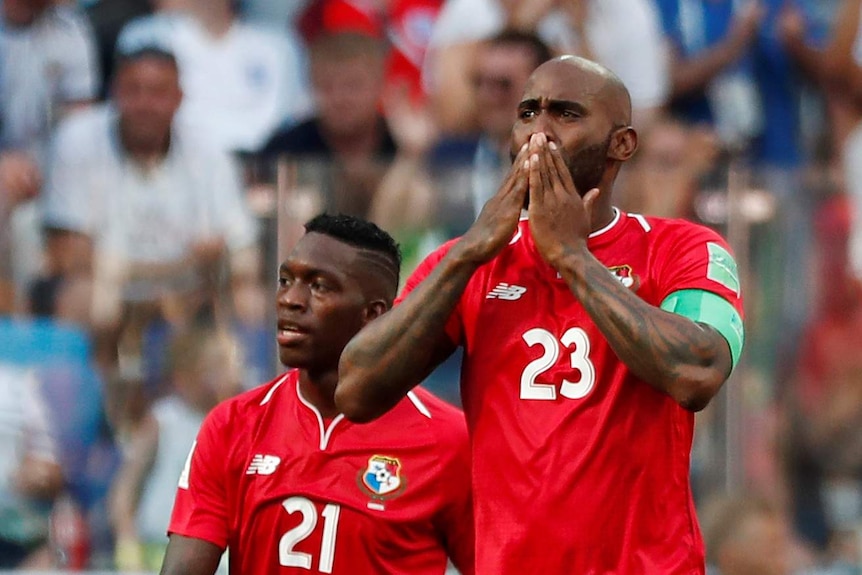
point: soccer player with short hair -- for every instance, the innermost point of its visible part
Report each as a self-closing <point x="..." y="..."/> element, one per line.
<point x="288" y="485"/>
<point x="590" y="336"/>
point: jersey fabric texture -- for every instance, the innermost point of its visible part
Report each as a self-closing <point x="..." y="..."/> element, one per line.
<point x="287" y="492"/>
<point x="578" y="466"/>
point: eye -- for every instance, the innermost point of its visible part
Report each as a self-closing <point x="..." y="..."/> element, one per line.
<point x="569" y="114"/>
<point x="284" y="281"/>
<point x="526" y="114"/>
<point x="319" y="286"/>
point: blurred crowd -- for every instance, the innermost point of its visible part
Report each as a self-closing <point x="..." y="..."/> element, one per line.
<point x="158" y="158"/>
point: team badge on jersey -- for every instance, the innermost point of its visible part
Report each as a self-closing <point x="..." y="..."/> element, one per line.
<point x="626" y="276"/>
<point x="382" y="478"/>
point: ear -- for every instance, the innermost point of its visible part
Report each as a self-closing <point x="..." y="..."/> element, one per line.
<point x="375" y="309"/>
<point x="624" y="143"/>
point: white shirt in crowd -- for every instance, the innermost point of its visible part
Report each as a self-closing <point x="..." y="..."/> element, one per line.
<point x="45" y="65"/>
<point x="24" y="432"/>
<point x="138" y="216"/>
<point x="239" y="87"/>
<point x="625" y="36"/>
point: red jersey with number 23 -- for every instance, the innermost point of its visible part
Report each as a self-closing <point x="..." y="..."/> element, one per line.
<point x="288" y="492"/>
<point x="578" y="466"/>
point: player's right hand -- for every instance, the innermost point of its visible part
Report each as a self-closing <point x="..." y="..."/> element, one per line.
<point x="496" y="224"/>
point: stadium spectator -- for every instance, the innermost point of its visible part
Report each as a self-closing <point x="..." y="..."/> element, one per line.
<point x="107" y="18"/>
<point x="711" y="77"/>
<point x="346" y="147"/>
<point x="148" y="207"/>
<point x="751" y="535"/>
<point x="840" y="71"/>
<point x="20" y="181"/>
<point x="733" y="70"/>
<point x="823" y="404"/>
<point x="389" y="497"/>
<point x="405" y="25"/>
<point x="670" y="170"/>
<point x="241" y="82"/>
<point x="48" y="68"/>
<point x="503" y="64"/>
<point x="624" y="35"/>
<point x="590" y="338"/>
<point x="30" y="472"/>
<point x="204" y="369"/>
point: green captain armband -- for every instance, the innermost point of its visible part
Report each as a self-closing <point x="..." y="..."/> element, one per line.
<point x="713" y="310"/>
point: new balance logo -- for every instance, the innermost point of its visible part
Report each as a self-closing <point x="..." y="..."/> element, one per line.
<point x="506" y="291"/>
<point x="263" y="465"/>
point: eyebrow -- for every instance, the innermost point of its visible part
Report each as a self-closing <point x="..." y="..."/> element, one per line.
<point x="553" y="105"/>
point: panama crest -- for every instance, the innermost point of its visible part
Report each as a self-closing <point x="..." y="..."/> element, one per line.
<point x="383" y="477"/>
<point x="626" y="276"/>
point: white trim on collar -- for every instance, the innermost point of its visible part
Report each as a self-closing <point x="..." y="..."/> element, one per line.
<point x="325" y="433"/>
<point x="609" y="227"/>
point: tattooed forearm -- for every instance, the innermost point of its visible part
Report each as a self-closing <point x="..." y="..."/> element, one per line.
<point x="399" y="349"/>
<point x="689" y="361"/>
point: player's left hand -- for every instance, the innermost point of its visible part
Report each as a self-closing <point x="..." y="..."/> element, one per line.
<point x="559" y="217"/>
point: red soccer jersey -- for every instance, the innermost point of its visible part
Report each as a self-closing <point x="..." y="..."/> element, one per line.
<point x="578" y="466"/>
<point x="287" y="493"/>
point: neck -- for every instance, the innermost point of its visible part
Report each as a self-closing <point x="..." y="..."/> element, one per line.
<point x="215" y="17"/>
<point x="319" y="390"/>
<point x="145" y="153"/>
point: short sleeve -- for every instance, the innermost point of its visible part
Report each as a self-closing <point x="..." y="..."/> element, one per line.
<point x="699" y="280"/>
<point x="696" y="257"/>
<point x="201" y="503"/>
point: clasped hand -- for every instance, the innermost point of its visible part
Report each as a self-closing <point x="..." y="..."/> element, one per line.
<point x="559" y="217"/>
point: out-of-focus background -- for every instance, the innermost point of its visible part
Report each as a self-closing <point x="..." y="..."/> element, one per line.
<point x="158" y="159"/>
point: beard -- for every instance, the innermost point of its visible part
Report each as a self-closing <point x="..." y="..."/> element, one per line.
<point x="586" y="166"/>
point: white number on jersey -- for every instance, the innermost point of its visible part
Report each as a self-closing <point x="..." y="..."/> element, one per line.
<point x="290" y="558"/>
<point x="579" y="359"/>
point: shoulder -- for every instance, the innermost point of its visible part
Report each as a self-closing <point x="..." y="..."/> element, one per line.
<point x="672" y="229"/>
<point x="248" y="407"/>
<point x="193" y="136"/>
<point x="261" y="40"/>
<point x="425" y="267"/>
<point x="440" y="252"/>
<point x="68" y="18"/>
<point x="86" y="129"/>
<point x="445" y="421"/>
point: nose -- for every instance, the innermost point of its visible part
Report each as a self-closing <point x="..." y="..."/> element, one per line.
<point x="542" y="124"/>
<point x="293" y="295"/>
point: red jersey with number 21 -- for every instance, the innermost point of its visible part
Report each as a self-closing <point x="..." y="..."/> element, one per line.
<point x="578" y="466"/>
<point x="288" y="492"/>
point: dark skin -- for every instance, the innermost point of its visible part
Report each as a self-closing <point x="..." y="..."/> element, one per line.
<point x="570" y="107"/>
<point x="327" y="291"/>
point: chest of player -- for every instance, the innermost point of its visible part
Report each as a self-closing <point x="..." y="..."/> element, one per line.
<point x="315" y="492"/>
<point x="521" y="299"/>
